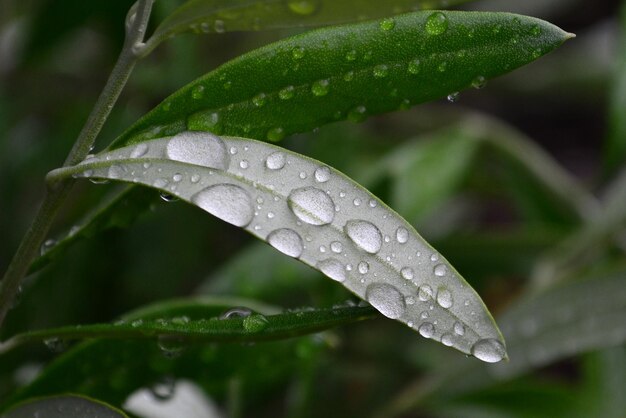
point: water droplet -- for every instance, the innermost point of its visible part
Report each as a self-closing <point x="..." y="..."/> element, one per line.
<point x="197" y="92"/>
<point x="116" y="171"/>
<point x="320" y="88"/>
<point x="322" y="174"/>
<point x="259" y="100"/>
<point x="436" y="24"/>
<point x="459" y="329"/>
<point x="447" y="340"/>
<point x="255" y="323"/>
<point x="440" y="270"/>
<point x="275" y="161"/>
<point x="336" y="247"/>
<point x="434" y="257"/>
<point x="351" y="55"/>
<point x="363" y="267"/>
<point x="228" y="202"/>
<point x="444" y="298"/>
<point x="410" y="300"/>
<point x="381" y="71"/>
<point x="479" y="82"/>
<point x="163" y="389"/>
<point x="488" y="350"/>
<point x="312" y="206"/>
<point x="536" y="53"/>
<point x="286" y="93"/>
<point x="454" y="97"/>
<point x="180" y="320"/>
<point x="402" y="235"/>
<point x="220" y="27"/>
<point x="407" y="273"/>
<point x="195" y="178"/>
<point x="535" y="30"/>
<point x="276" y="134"/>
<point x="171" y="346"/>
<point x="177" y="177"/>
<point x="287" y="241"/>
<point x="136" y="323"/>
<point x="442" y="67"/>
<point x="365" y="235"/>
<point x="357" y="114"/>
<point x="357" y="202"/>
<point x="297" y="52"/>
<point x="238" y="312"/>
<point x="387" y="24"/>
<point x="414" y="66"/>
<point x="349" y="76"/>
<point x="426" y="330"/>
<point x="270" y="215"/>
<point x="54" y="344"/>
<point x="302" y="7"/>
<point x="373" y="203"/>
<point x="244" y="164"/>
<point x="199" y="148"/>
<point x="47" y="246"/>
<point x="425" y="292"/>
<point x="166" y="197"/>
<point x="139" y="151"/>
<point x="333" y="269"/>
<point x="386" y="299"/>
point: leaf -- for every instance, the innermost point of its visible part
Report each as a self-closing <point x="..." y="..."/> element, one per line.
<point x="313" y="213"/>
<point x="349" y="72"/>
<point x="249" y="329"/>
<point x="120" y="210"/>
<point x="564" y="321"/>
<point x="112" y="369"/>
<point x="64" y="406"/>
<point x="219" y="16"/>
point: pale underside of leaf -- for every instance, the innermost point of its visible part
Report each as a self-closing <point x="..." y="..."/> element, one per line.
<point x="64" y="406"/>
<point x="314" y="213"/>
<point x="219" y="16"/>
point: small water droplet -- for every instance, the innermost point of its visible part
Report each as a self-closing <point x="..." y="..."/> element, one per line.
<point x="488" y="350"/>
<point x="275" y="161"/>
<point x="363" y="267"/>
<point x="163" y="389"/>
<point x="357" y="114"/>
<point x="373" y="203"/>
<point x="425" y="292"/>
<point x="228" y="202"/>
<point x="244" y="164"/>
<point x="302" y="175"/>
<point x="365" y="235"/>
<point x="198" y="148"/>
<point x="166" y="197"/>
<point x="322" y="174"/>
<point x="220" y="26"/>
<point x="259" y="100"/>
<point x="255" y="323"/>
<point x="297" y="52"/>
<point x="402" y="235"/>
<point x="407" y="273"/>
<point x="387" y="24"/>
<point x="139" y="151"/>
<point x="447" y="340"/>
<point x="312" y="205"/>
<point x="414" y="66"/>
<point x="426" y="330"/>
<point x="303" y="7"/>
<point x="116" y="171"/>
<point x="336" y="247"/>
<point x="410" y="300"/>
<point x="442" y="67"/>
<point x="454" y="97"/>
<point x="440" y="270"/>
<point x="47" y="246"/>
<point x="444" y="298"/>
<point x="195" y="178"/>
<point x="386" y="299"/>
<point x="287" y="241"/>
<point x="333" y="269"/>
<point x="171" y="346"/>
<point x="479" y="82"/>
<point x="286" y="93"/>
<point x="381" y="71"/>
<point x="535" y="30"/>
<point x="459" y="329"/>
<point x="349" y="76"/>
<point x="54" y="344"/>
<point x="351" y="55"/>
<point x="177" y="177"/>
<point x="357" y="202"/>
<point x="434" y="257"/>
<point x="320" y="88"/>
<point x="238" y="312"/>
<point x="436" y="24"/>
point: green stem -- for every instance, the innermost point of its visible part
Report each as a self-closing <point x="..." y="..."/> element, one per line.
<point x="56" y="194"/>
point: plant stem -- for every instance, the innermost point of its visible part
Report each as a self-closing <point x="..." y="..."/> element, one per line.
<point x="56" y="193"/>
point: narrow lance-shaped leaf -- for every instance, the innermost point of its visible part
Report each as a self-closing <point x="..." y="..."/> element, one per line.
<point x="64" y="406"/>
<point x="219" y="16"/>
<point x="313" y="213"/>
<point x="349" y="72"/>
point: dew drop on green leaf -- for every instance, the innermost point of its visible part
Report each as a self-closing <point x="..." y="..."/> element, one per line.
<point x="351" y="55"/>
<point x="381" y="71"/>
<point x="414" y="66"/>
<point x="488" y="350"/>
<point x="386" y="299"/>
<point x="286" y="93"/>
<point x="387" y="24"/>
<point x="357" y="114"/>
<point x="303" y="7"/>
<point x="197" y="92"/>
<point x="259" y="100"/>
<point x="255" y="323"/>
<point x="320" y="88"/>
<point x="297" y="52"/>
<point x="275" y="134"/>
<point x="436" y="24"/>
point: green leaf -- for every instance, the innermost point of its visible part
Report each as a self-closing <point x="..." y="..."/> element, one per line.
<point x="219" y="16"/>
<point x="313" y="213"/>
<point x="64" y="406"/>
<point x="118" y="211"/>
<point x="249" y="329"/>
<point x="349" y="72"/>
<point x="112" y="369"/>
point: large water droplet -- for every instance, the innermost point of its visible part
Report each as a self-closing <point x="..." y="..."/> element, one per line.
<point x="163" y="389"/>
<point x="228" y="202"/>
<point x="447" y="340"/>
<point x="275" y="161"/>
<point x="426" y="330"/>
<point x="333" y="269"/>
<point x="322" y="174"/>
<point x="444" y="298"/>
<point x="255" y="323"/>
<point x="440" y="270"/>
<point x="436" y="23"/>
<point x="139" y="151"/>
<point x="287" y="241"/>
<point x="363" y="267"/>
<point x="488" y="350"/>
<point x="312" y="206"/>
<point x="386" y="298"/>
<point x="365" y="235"/>
<point x="199" y="148"/>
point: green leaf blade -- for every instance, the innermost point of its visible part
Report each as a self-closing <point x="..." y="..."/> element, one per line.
<point x="349" y="72"/>
<point x="314" y="213"/>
